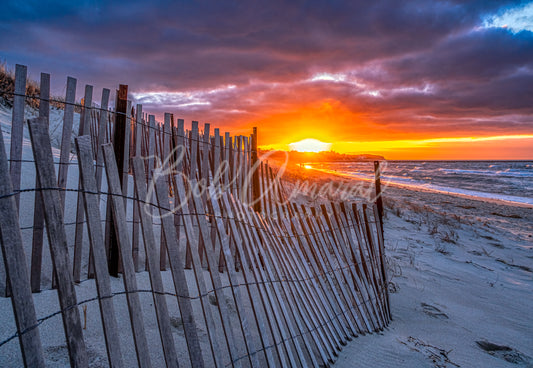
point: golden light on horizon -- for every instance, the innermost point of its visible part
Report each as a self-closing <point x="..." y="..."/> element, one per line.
<point x="402" y="144"/>
<point x="503" y="147"/>
<point x="456" y="148"/>
<point x="310" y="145"/>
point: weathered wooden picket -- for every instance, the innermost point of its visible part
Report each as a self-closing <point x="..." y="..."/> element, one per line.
<point x="258" y="280"/>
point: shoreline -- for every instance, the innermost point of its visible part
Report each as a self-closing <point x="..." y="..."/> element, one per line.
<point x="418" y="188"/>
<point x="508" y="217"/>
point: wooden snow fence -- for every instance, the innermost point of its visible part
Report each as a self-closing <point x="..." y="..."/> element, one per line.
<point x="238" y="276"/>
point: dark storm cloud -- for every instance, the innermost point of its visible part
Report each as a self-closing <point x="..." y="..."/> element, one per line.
<point x="476" y="56"/>
<point x="425" y="58"/>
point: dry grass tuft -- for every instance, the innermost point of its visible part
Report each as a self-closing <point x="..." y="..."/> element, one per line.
<point x="7" y="88"/>
<point x="33" y="92"/>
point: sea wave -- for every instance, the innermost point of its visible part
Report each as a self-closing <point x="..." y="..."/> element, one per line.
<point x="502" y="173"/>
<point x="409" y="182"/>
<point x="462" y="192"/>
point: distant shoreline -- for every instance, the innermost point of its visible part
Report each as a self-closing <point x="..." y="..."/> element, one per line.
<point x="384" y="159"/>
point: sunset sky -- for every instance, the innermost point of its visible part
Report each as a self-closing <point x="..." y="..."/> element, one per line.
<point x="408" y="80"/>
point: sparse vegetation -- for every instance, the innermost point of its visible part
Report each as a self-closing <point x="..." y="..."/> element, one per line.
<point x="514" y="216"/>
<point x="433" y="229"/>
<point x="394" y="269"/>
<point x="7" y="90"/>
<point x="393" y="207"/>
<point x="441" y="248"/>
<point x="449" y="236"/>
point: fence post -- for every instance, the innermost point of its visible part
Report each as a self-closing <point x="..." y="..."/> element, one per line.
<point x="255" y="178"/>
<point x="137" y="132"/>
<point x="379" y="198"/>
<point x="119" y="143"/>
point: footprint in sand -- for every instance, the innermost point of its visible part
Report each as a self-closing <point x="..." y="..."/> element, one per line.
<point x="506" y="353"/>
<point x="433" y="311"/>
<point x="438" y="356"/>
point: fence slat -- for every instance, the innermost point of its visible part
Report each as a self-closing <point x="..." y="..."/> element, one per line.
<point x="227" y="325"/>
<point x="301" y="301"/>
<point x="178" y="274"/>
<point x="102" y="123"/>
<point x="294" y="322"/>
<point x="280" y="333"/>
<point x="66" y="136"/>
<point x="44" y="164"/>
<point x="268" y="276"/>
<point x="349" y="294"/>
<point x="192" y="240"/>
<point x="130" y="282"/>
<point x="17" y="127"/>
<point x="257" y="299"/>
<point x="227" y="157"/>
<point x="367" y="291"/>
<point x="17" y="269"/>
<point x="216" y="158"/>
<point x="166" y="164"/>
<point x="96" y="238"/>
<point x="205" y="154"/>
<point x="38" y="216"/>
<point x="316" y="268"/>
<point x="17" y="134"/>
<point x="80" y="213"/>
<point x="385" y="283"/>
<point x="161" y="309"/>
<point x="336" y="285"/>
<point x="232" y="276"/>
<point x="343" y="254"/>
<point x="318" y="285"/>
<point x="256" y="193"/>
<point x="368" y="264"/>
<point x="373" y="270"/>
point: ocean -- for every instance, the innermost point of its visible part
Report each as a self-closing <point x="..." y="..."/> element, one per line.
<point x="510" y="181"/>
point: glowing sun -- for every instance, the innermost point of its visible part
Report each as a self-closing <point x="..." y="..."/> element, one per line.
<point x="310" y="145"/>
